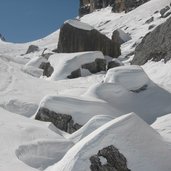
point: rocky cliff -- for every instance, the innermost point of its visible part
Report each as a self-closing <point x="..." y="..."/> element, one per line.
<point x="155" y="45"/>
<point x="88" y="6"/>
<point x="2" y="37"/>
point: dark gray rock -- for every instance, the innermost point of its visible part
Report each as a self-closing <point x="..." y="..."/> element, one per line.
<point x="93" y="67"/>
<point x="2" y="38"/>
<point x="115" y="161"/>
<point x="75" y="74"/>
<point x="155" y="45"/>
<point x="166" y="14"/>
<point x="96" y="66"/>
<point x="164" y="10"/>
<point x="32" y="48"/>
<point x="62" y="121"/>
<point x="74" y="39"/>
<point x="151" y="26"/>
<point x="47" y="69"/>
<point x="143" y="88"/>
<point x="149" y="20"/>
<point x="113" y="64"/>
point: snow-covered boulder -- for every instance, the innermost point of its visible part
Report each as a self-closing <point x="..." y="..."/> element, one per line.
<point x="76" y="36"/>
<point x="130" y="77"/>
<point x="137" y="141"/>
<point x="32" y="48"/>
<point x="73" y="65"/>
<point x="78" y="109"/>
<point x="120" y="36"/>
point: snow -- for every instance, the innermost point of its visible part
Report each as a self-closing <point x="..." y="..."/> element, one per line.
<point x="65" y="63"/>
<point x="94" y="123"/>
<point x="130" y="77"/>
<point x="79" y="25"/>
<point x="163" y="126"/>
<point x="28" y="141"/>
<point x="133" y="137"/>
<point x="99" y="102"/>
<point x="81" y="109"/>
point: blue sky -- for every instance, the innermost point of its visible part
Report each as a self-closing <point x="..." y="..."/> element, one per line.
<point x="26" y="20"/>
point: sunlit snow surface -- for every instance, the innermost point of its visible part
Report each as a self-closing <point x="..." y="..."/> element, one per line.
<point x="100" y="102"/>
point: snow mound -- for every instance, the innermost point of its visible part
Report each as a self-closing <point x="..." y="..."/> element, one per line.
<point x="28" y="144"/>
<point x="130" y="77"/>
<point x="137" y="141"/>
<point x="89" y="127"/>
<point x="163" y="126"/>
<point x="81" y="109"/>
<point x="79" y="25"/>
<point x="65" y="63"/>
<point x="42" y="154"/>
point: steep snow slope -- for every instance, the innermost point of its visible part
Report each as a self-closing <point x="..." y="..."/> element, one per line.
<point x="133" y="137"/>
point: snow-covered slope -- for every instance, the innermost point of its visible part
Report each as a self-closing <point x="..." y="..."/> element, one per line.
<point x="29" y="145"/>
<point x="133" y="137"/>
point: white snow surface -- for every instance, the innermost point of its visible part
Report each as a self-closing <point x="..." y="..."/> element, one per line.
<point x="132" y="136"/>
<point x="130" y="77"/>
<point x="79" y="25"/>
<point x="30" y="145"/>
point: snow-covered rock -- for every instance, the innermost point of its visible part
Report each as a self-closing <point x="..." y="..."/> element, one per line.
<point x="136" y="140"/>
<point x="130" y="77"/>
<point x="65" y="63"/>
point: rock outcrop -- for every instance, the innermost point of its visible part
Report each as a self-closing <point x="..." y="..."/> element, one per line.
<point x="155" y="45"/>
<point x="32" y="48"/>
<point x="62" y="121"/>
<point x="2" y="37"/>
<point x="115" y="161"/>
<point x="47" y="69"/>
<point x="94" y="67"/>
<point x="119" y="36"/>
<point x="88" y="6"/>
<point x="78" y="37"/>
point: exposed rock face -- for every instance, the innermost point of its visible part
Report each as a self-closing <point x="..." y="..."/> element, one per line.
<point x="113" y="64"/>
<point x="32" y="48"/>
<point x="47" y="69"/>
<point x="75" y="74"/>
<point x="62" y="121"/>
<point x="96" y="66"/>
<point x="164" y="11"/>
<point x="2" y="37"/>
<point x="115" y="161"/>
<point x="73" y="39"/>
<point x="93" y="67"/>
<point x="88" y="6"/>
<point x="155" y="45"/>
